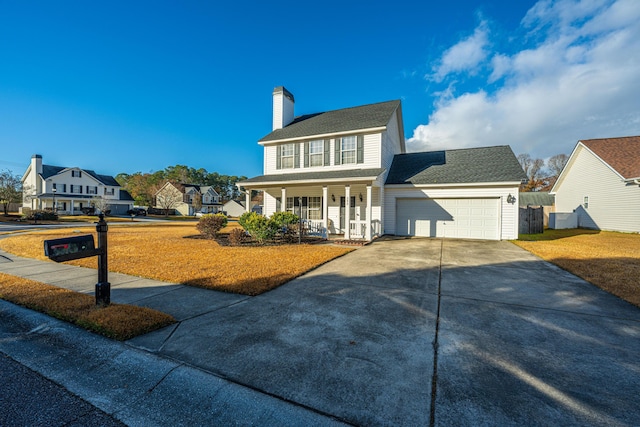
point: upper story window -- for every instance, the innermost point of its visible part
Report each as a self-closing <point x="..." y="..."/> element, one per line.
<point x="316" y="153"/>
<point x="586" y="202"/>
<point x="109" y="191"/>
<point x="76" y="174"/>
<point x="288" y="156"/>
<point x="92" y="189"/>
<point x="349" y="150"/>
<point x="76" y="189"/>
<point x="60" y="188"/>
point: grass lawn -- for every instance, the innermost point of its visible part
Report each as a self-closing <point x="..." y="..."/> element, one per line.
<point x="607" y="259"/>
<point x="167" y="253"/>
<point x="119" y="321"/>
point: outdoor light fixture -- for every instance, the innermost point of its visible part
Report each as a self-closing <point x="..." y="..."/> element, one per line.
<point x="360" y="196"/>
<point x="333" y="198"/>
<point x="511" y="199"/>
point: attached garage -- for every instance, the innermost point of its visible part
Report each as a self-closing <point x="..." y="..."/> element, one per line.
<point x="460" y="218"/>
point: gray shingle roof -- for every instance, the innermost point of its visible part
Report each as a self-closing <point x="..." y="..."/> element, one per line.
<point x="314" y="176"/>
<point x="344" y="120"/>
<point x="471" y="165"/>
<point x="48" y="171"/>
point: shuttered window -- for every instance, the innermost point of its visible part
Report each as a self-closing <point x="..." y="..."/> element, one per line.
<point x="288" y="156"/>
<point x="349" y="150"/>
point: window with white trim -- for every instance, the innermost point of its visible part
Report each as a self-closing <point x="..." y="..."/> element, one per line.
<point x="109" y="191"/>
<point x="92" y="189"/>
<point x="348" y="145"/>
<point x="76" y="174"/>
<point x="76" y="189"/>
<point x="287" y="153"/>
<point x="586" y="202"/>
<point x="316" y="153"/>
<point x="314" y="208"/>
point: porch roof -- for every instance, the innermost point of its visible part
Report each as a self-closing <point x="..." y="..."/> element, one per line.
<point x="314" y="177"/>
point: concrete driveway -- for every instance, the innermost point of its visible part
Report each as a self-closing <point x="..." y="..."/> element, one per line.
<point x="419" y="332"/>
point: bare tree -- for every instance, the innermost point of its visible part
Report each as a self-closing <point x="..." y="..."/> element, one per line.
<point x="10" y="190"/>
<point x="533" y="168"/>
<point x="197" y="201"/>
<point x="100" y="204"/>
<point x="556" y="164"/>
<point x="168" y="198"/>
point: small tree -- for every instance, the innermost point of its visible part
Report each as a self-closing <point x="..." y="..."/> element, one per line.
<point x="168" y="199"/>
<point x="197" y="202"/>
<point x="10" y="190"/>
<point x="100" y="204"/>
<point x="210" y="225"/>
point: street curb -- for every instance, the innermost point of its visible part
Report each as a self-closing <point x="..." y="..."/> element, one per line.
<point x="134" y="386"/>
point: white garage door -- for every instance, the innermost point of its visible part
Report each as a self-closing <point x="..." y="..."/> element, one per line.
<point x="453" y="218"/>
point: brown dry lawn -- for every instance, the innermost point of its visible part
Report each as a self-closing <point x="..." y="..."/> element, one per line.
<point x="117" y="321"/>
<point x="165" y="252"/>
<point x="609" y="260"/>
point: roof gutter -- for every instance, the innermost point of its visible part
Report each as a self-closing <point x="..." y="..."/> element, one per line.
<point x="323" y="135"/>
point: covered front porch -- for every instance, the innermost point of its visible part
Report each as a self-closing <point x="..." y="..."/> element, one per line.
<point x="350" y="211"/>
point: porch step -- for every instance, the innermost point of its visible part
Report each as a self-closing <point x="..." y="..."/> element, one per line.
<point x="350" y="242"/>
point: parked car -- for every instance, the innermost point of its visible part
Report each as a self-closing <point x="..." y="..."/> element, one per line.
<point x="137" y="212"/>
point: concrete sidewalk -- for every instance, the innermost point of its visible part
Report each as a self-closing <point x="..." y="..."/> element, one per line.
<point x="400" y="332"/>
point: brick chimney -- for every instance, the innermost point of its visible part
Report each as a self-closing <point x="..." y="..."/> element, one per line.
<point x="282" y="107"/>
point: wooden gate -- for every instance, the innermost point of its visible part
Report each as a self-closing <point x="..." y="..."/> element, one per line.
<point x="531" y="220"/>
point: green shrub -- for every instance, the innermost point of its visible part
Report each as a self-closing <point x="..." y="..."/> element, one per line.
<point x="258" y="226"/>
<point x="284" y="219"/>
<point x="42" y="215"/>
<point x="210" y="225"/>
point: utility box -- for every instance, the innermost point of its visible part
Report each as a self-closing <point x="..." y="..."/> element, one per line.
<point x="69" y="248"/>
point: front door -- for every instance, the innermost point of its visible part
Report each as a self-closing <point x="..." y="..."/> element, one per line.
<point x="352" y="211"/>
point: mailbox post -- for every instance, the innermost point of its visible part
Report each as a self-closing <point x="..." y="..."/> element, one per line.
<point x="69" y="248"/>
<point x="103" y="287"/>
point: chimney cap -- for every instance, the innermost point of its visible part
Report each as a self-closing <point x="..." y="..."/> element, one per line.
<point x="36" y="156"/>
<point x="284" y="91"/>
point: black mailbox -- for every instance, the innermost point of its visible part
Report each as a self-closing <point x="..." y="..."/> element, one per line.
<point x="69" y="248"/>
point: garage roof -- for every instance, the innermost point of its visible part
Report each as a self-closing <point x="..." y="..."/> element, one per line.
<point x="470" y="165"/>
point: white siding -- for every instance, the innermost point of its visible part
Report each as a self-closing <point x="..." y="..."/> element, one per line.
<point x="390" y="143"/>
<point x="508" y="212"/>
<point x="371" y="153"/>
<point x="613" y="204"/>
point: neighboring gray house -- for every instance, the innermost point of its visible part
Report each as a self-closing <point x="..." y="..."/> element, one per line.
<point x="599" y="188"/>
<point x="69" y="190"/>
<point x="347" y="172"/>
<point x="234" y="208"/>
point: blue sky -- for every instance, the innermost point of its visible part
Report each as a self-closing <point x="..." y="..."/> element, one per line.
<point x="138" y="86"/>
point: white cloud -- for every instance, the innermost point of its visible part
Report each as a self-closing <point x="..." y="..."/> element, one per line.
<point x="579" y="82"/>
<point x="463" y="56"/>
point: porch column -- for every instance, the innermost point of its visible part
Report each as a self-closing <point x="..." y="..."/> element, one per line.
<point x="347" y="209"/>
<point x="325" y="209"/>
<point x="367" y="234"/>
<point x="283" y="200"/>
<point x="247" y="201"/>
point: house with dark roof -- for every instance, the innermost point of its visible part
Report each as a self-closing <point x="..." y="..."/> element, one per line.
<point x="599" y="187"/>
<point x="347" y="172"/>
<point x="72" y="190"/>
<point x="188" y="199"/>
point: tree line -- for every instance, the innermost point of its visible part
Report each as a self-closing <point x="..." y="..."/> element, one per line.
<point x="143" y="186"/>
<point x="541" y="175"/>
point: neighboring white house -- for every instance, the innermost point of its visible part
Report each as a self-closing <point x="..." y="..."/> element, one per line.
<point x="599" y="187"/>
<point x="234" y="208"/>
<point x="346" y="172"/>
<point x="183" y="198"/>
<point x="69" y="190"/>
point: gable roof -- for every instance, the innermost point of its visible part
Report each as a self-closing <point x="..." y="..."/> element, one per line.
<point x="344" y="120"/>
<point x="48" y="171"/>
<point x="469" y="165"/>
<point x="622" y="154"/>
<point x="536" y="198"/>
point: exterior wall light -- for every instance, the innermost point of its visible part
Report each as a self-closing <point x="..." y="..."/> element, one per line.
<point x="333" y="198"/>
<point x="511" y="199"/>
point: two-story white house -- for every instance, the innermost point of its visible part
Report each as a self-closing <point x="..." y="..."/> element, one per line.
<point x="69" y="190"/>
<point x="347" y="172"/>
<point x="188" y="199"/>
